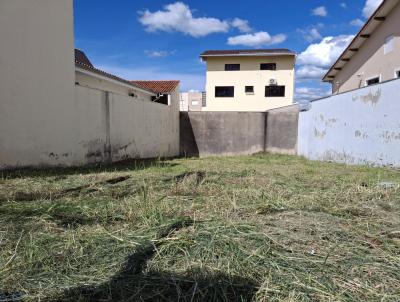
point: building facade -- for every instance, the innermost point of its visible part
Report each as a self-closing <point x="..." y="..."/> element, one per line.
<point x="374" y="54"/>
<point x="249" y="80"/>
<point x="191" y="101"/>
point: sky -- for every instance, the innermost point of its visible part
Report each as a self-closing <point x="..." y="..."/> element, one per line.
<point x="162" y="39"/>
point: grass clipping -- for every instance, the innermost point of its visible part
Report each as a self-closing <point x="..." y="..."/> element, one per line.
<point x="255" y="228"/>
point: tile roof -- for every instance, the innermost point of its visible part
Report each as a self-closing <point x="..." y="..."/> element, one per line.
<point x="85" y="64"/>
<point x="81" y="57"/>
<point x="157" y="86"/>
<point x="248" y="52"/>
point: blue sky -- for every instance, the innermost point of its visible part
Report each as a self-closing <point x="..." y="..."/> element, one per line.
<point x="161" y="39"/>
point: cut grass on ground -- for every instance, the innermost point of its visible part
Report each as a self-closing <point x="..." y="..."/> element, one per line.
<point x="254" y="228"/>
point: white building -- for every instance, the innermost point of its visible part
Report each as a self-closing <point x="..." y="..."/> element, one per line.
<point x="192" y="101"/>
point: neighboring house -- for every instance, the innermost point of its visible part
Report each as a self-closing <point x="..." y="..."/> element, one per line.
<point x="88" y="76"/>
<point x="167" y="92"/>
<point x="374" y="54"/>
<point x="192" y="101"/>
<point x="249" y="80"/>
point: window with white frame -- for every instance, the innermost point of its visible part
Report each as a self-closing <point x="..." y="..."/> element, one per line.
<point x="389" y="45"/>
<point x="372" y="81"/>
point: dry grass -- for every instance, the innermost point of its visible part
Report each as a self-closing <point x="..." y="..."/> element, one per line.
<point x="256" y="228"/>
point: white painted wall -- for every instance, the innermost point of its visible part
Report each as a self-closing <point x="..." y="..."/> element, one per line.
<point x="249" y="75"/>
<point x="142" y="129"/>
<point x="102" y="127"/>
<point x="358" y="127"/>
<point x="37" y="74"/>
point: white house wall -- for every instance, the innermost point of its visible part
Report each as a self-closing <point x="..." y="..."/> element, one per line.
<point x="358" y="127"/>
<point x="371" y="60"/>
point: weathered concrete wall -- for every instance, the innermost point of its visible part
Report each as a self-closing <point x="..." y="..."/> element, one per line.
<point x="358" y="127"/>
<point x="237" y="133"/>
<point x="282" y="129"/>
<point x="102" y="127"/>
<point x="142" y="129"/>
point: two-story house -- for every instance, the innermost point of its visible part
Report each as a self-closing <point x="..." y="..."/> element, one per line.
<point x="249" y="80"/>
<point x="373" y="56"/>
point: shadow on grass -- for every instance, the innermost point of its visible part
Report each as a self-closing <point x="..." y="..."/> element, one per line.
<point x="123" y="166"/>
<point x="135" y="283"/>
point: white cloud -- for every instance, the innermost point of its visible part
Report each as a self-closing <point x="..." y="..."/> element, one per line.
<point x="158" y="53"/>
<point x="320" y="11"/>
<point x="343" y="5"/>
<point x="306" y="94"/>
<point x="325" y="53"/>
<point x="312" y="33"/>
<point x="242" y="25"/>
<point x="309" y="72"/>
<point x="357" y="22"/>
<point x="370" y="7"/>
<point x="178" y="17"/>
<point x="258" y="39"/>
<point x="188" y="80"/>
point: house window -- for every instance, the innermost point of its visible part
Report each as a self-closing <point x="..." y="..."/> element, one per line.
<point x="224" y="92"/>
<point x="268" y="66"/>
<point x="398" y="74"/>
<point x="389" y="45"/>
<point x="232" y="67"/>
<point x="274" y="91"/>
<point x="373" y="81"/>
<point x="249" y="89"/>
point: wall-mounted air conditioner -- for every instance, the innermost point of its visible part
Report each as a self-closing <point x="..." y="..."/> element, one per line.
<point x="273" y="82"/>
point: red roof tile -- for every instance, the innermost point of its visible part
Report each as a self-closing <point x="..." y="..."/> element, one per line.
<point x="157" y="86"/>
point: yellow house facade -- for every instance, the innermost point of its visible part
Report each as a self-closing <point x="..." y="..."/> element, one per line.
<point x="249" y="80"/>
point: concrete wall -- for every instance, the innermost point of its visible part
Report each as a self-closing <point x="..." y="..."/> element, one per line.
<point x="282" y="129"/>
<point x="371" y="61"/>
<point x="102" y="127"/>
<point x="238" y="133"/>
<point x="249" y="75"/>
<point x="358" y="127"/>
<point x="36" y="79"/>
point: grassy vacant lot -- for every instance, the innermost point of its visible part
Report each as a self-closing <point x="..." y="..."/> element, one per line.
<point x="257" y="228"/>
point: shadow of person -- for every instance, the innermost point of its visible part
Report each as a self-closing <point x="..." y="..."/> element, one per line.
<point x="135" y="283"/>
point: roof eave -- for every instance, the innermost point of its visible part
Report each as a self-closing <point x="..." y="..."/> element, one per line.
<point x="105" y="78"/>
<point x="250" y="55"/>
<point x="368" y="28"/>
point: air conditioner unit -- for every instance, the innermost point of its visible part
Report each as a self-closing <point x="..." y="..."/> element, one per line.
<point x="273" y="82"/>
